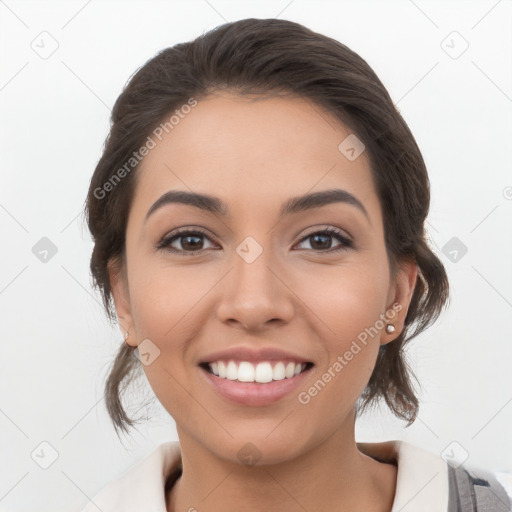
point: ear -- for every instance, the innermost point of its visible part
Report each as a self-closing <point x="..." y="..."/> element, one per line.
<point x="399" y="298"/>
<point x="120" y="293"/>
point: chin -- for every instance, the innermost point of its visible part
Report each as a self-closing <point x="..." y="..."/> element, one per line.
<point x="259" y="448"/>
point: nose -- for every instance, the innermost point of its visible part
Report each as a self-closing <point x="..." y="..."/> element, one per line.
<point x="254" y="294"/>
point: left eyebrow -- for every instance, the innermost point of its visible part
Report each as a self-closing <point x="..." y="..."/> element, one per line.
<point x="293" y="205"/>
<point x="323" y="198"/>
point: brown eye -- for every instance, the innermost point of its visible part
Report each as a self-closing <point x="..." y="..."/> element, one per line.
<point x="184" y="241"/>
<point x="321" y="240"/>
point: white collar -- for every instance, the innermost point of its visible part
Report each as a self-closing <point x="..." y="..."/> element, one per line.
<point x="422" y="480"/>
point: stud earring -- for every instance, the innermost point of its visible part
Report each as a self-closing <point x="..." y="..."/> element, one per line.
<point x="126" y="334"/>
<point x="390" y="328"/>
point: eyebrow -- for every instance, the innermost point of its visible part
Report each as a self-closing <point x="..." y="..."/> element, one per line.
<point x="298" y="204"/>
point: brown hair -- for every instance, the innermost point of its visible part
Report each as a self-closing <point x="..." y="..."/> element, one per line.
<point x="270" y="56"/>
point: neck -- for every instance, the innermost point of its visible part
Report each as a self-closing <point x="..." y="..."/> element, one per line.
<point x="334" y="475"/>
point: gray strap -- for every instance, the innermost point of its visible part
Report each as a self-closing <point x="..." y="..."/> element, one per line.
<point x="475" y="491"/>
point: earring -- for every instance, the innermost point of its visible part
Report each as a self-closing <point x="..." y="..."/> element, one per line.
<point x="126" y="334"/>
<point x="390" y="328"/>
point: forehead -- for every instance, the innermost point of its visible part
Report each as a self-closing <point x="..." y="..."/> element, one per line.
<point x="252" y="149"/>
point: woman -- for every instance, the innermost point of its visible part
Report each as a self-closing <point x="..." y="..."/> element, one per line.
<point x="258" y="219"/>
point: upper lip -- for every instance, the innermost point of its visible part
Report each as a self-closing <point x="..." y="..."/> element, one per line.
<point x="252" y="355"/>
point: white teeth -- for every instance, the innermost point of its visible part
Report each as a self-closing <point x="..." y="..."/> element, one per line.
<point x="278" y="371"/>
<point x="262" y="372"/>
<point x="246" y="372"/>
<point x="231" y="371"/>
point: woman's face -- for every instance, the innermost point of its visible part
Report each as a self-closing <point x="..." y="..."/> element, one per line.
<point x="258" y="281"/>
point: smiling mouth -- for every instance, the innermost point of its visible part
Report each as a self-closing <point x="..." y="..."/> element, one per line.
<point x="262" y="372"/>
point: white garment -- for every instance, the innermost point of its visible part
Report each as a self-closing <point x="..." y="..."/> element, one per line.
<point x="422" y="480"/>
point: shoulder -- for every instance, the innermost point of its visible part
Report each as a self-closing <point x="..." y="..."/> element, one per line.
<point x="473" y="488"/>
<point x="426" y="481"/>
<point x="142" y="486"/>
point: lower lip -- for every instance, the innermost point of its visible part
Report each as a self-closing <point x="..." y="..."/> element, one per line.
<point x="254" y="393"/>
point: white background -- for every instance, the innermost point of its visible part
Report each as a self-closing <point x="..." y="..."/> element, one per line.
<point x="56" y="343"/>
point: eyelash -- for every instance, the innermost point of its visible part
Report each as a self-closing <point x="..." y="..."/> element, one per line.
<point x="164" y="244"/>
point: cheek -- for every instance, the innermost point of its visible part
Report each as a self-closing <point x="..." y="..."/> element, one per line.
<point x="163" y="313"/>
<point x="166" y="308"/>
<point x="350" y="309"/>
<point x="349" y="298"/>
<point x="165" y="298"/>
